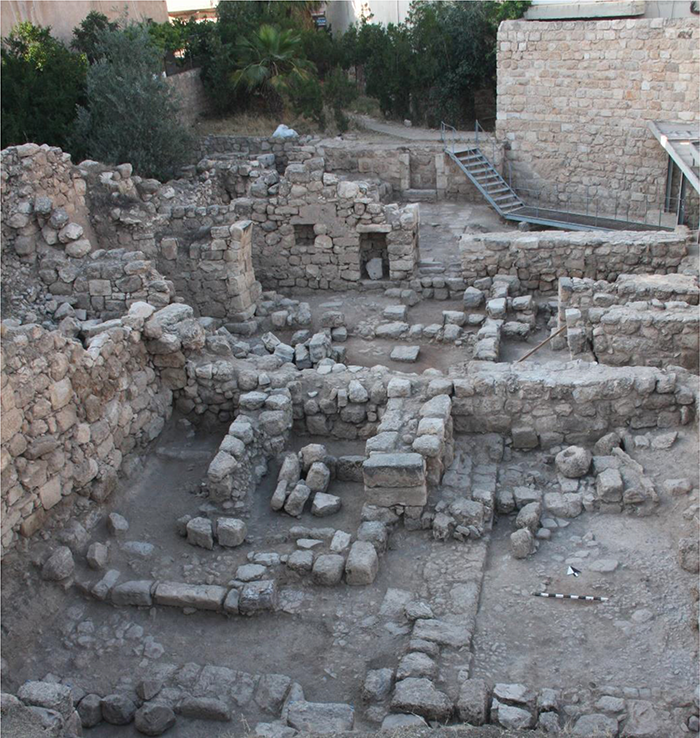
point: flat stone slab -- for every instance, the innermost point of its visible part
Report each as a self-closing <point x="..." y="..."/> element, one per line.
<point x="200" y="596"/>
<point x="394" y="470"/>
<point x="319" y="717"/>
<point x="408" y="354"/>
<point x="439" y="631"/>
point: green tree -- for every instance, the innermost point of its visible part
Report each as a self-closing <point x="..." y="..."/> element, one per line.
<point x="86" y="35"/>
<point x="131" y="115"/>
<point x="271" y="62"/>
<point x="42" y="85"/>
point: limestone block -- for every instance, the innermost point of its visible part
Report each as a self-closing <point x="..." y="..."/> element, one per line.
<point x="362" y="564"/>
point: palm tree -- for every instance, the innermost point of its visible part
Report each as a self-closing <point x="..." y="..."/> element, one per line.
<point x="271" y="61"/>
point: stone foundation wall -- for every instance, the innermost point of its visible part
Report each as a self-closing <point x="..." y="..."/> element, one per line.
<point x="583" y="294"/>
<point x="193" y="100"/>
<point x="572" y="403"/>
<point x="409" y="167"/>
<point x="574" y="98"/>
<point x="71" y="417"/>
<point x="250" y="146"/>
<point x="539" y="259"/>
<point x="638" y="334"/>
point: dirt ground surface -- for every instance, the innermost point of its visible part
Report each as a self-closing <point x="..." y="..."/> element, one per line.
<point x="327" y="638"/>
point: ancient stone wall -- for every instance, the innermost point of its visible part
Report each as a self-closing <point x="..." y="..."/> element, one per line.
<point x="539" y="259"/>
<point x="192" y="98"/>
<point x="574" y="98"/>
<point x="637" y="334"/>
<point x="411" y="167"/>
<point x="250" y="146"/>
<point x="583" y="294"/>
<point x="71" y="417"/>
<point x="316" y="231"/>
<point x="568" y="403"/>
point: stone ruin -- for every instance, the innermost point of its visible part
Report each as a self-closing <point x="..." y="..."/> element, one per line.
<point x="244" y="509"/>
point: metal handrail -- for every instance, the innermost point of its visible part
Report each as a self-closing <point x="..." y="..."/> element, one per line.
<point x="444" y="133"/>
<point x="619" y="210"/>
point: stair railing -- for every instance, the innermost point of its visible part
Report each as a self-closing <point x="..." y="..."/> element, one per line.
<point x="448" y="135"/>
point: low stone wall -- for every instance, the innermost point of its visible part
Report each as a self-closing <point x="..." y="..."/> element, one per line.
<point x="571" y="403"/>
<point x="640" y="334"/>
<point x="583" y="294"/>
<point x="251" y="146"/>
<point x="409" y="167"/>
<point x="105" y="283"/>
<point x="539" y="259"/>
<point x="71" y="417"/>
<point x="192" y="98"/>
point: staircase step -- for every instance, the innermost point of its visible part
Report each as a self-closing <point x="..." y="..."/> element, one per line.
<point x="511" y="196"/>
<point x="480" y="171"/>
<point x="420" y="195"/>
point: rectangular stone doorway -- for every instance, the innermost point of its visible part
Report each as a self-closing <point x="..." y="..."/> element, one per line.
<point x="374" y="256"/>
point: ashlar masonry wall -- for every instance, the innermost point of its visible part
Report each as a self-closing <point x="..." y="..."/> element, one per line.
<point x="574" y="98"/>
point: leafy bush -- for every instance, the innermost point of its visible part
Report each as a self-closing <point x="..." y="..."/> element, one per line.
<point x="130" y="113"/>
<point x="42" y="84"/>
<point x="86" y="35"/>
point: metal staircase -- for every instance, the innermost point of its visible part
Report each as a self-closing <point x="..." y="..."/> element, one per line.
<point x="482" y="173"/>
<point x="484" y="176"/>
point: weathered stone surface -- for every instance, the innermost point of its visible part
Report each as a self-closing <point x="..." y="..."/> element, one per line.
<point x="324" y="505"/>
<point x="473" y="701"/>
<point x="200" y="532"/>
<point x="328" y="569"/>
<point x="362" y="564"/>
<point x="689" y="554"/>
<point x="377" y="685"/>
<point x="90" y="710"/>
<point x="117" y="524"/>
<point x="230" y="532"/>
<point x="97" y="555"/>
<point x="391" y="722"/>
<point x="256" y="597"/>
<point x="180" y="594"/>
<point x="521" y="543"/>
<point x="509" y="716"/>
<point x="50" y="696"/>
<point x="321" y="718"/>
<point x="204" y="708"/>
<point x="59" y="565"/>
<point x="297" y="499"/>
<point x="135" y="593"/>
<point x="154" y="719"/>
<point x="442" y="632"/>
<point x="419" y="696"/>
<point x="573" y="462"/>
<point x="118" y="709"/>
<point x="609" y="485"/>
<point x="568" y="505"/>
<point x="318" y="477"/>
<point x="416" y="664"/>
<point x="595" y="726"/>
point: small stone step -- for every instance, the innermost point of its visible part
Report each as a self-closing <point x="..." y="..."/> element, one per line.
<point x="421" y="195"/>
